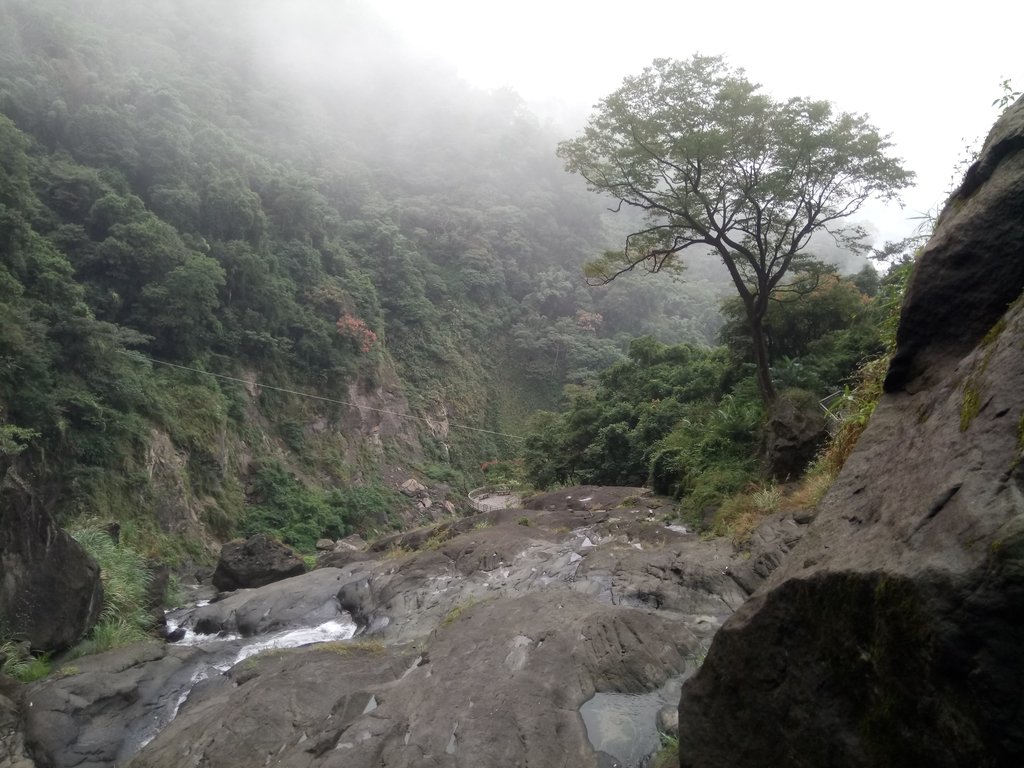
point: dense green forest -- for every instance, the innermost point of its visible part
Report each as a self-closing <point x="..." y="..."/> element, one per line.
<point x="197" y="224"/>
<point x="687" y="420"/>
<point x="355" y="223"/>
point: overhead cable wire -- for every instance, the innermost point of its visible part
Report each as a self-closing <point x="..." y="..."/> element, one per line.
<point x="431" y="423"/>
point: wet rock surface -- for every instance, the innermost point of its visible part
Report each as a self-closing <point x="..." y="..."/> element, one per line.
<point x="479" y="641"/>
<point x="95" y="707"/>
<point x="891" y="634"/>
<point x="305" y="600"/>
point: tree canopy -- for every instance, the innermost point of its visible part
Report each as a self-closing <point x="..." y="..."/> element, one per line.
<point x="714" y="163"/>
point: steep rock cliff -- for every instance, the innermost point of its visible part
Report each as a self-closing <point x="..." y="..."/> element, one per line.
<point x="50" y="589"/>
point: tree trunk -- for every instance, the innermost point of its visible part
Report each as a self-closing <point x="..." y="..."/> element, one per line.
<point x="761" y="357"/>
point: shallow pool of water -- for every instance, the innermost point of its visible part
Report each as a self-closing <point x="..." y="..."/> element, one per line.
<point x="624" y="724"/>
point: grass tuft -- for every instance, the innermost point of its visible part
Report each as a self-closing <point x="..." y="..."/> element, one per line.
<point x="456" y="613"/>
<point x="740" y="514"/>
<point x="125" y="573"/>
<point x="812" y="489"/>
<point x="21" y="665"/>
<point x="437" y="540"/>
<point x="668" y="755"/>
<point x="346" y="647"/>
<point x="396" y="551"/>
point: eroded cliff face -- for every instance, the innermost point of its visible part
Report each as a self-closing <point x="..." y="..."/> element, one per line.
<point x="892" y="634"/>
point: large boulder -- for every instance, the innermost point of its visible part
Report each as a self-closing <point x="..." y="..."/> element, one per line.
<point x="50" y="589"/>
<point x="891" y="634"/>
<point x="793" y="435"/>
<point x="254" y="562"/>
<point x="308" y="599"/>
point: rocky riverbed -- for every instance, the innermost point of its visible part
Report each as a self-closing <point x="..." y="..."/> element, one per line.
<point x="473" y="642"/>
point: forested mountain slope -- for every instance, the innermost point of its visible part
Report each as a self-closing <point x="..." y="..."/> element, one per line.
<point x="289" y="202"/>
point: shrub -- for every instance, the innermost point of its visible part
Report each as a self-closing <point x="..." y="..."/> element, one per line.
<point x="288" y="510"/>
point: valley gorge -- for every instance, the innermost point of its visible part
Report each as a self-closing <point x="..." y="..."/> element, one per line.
<point x="317" y="450"/>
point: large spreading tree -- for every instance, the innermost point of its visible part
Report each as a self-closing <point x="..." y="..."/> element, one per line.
<point x="712" y="162"/>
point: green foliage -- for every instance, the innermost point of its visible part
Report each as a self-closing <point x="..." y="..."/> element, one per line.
<point x="509" y="473"/>
<point x="1008" y="96"/>
<point x="860" y="397"/>
<point x="288" y="509"/>
<point x="687" y="421"/>
<point x="608" y="433"/>
<point x="18" y="663"/>
<point x="143" y="535"/>
<point x="740" y="514"/>
<point x="436" y="540"/>
<point x="14" y="440"/>
<point x="110" y="632"/>
<point x="445" y="473"/>
<point x="815" y="342"/>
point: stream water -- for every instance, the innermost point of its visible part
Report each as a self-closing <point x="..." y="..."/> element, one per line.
<point x="220" y="653"/>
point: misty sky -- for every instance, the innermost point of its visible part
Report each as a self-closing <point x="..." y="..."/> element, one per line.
<point x="925" y="72"/>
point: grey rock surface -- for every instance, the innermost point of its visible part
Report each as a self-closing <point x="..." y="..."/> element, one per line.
<point x="501" y="685"/>
<point x="971" y="268"/>
<point x="50" y="589"/>
<point x="480" y="640"/>
<point x="88" y="716"/>
<point x="793" y="435"/>
<point x="13" y="753"/>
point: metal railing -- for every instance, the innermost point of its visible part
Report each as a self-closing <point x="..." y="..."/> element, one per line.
<point x="478" y="497"/>
<point x="834" y="415"/>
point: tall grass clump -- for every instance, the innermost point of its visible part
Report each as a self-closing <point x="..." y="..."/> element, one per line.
<point x="20" y="664"/>
<point x="126" y="576"/>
